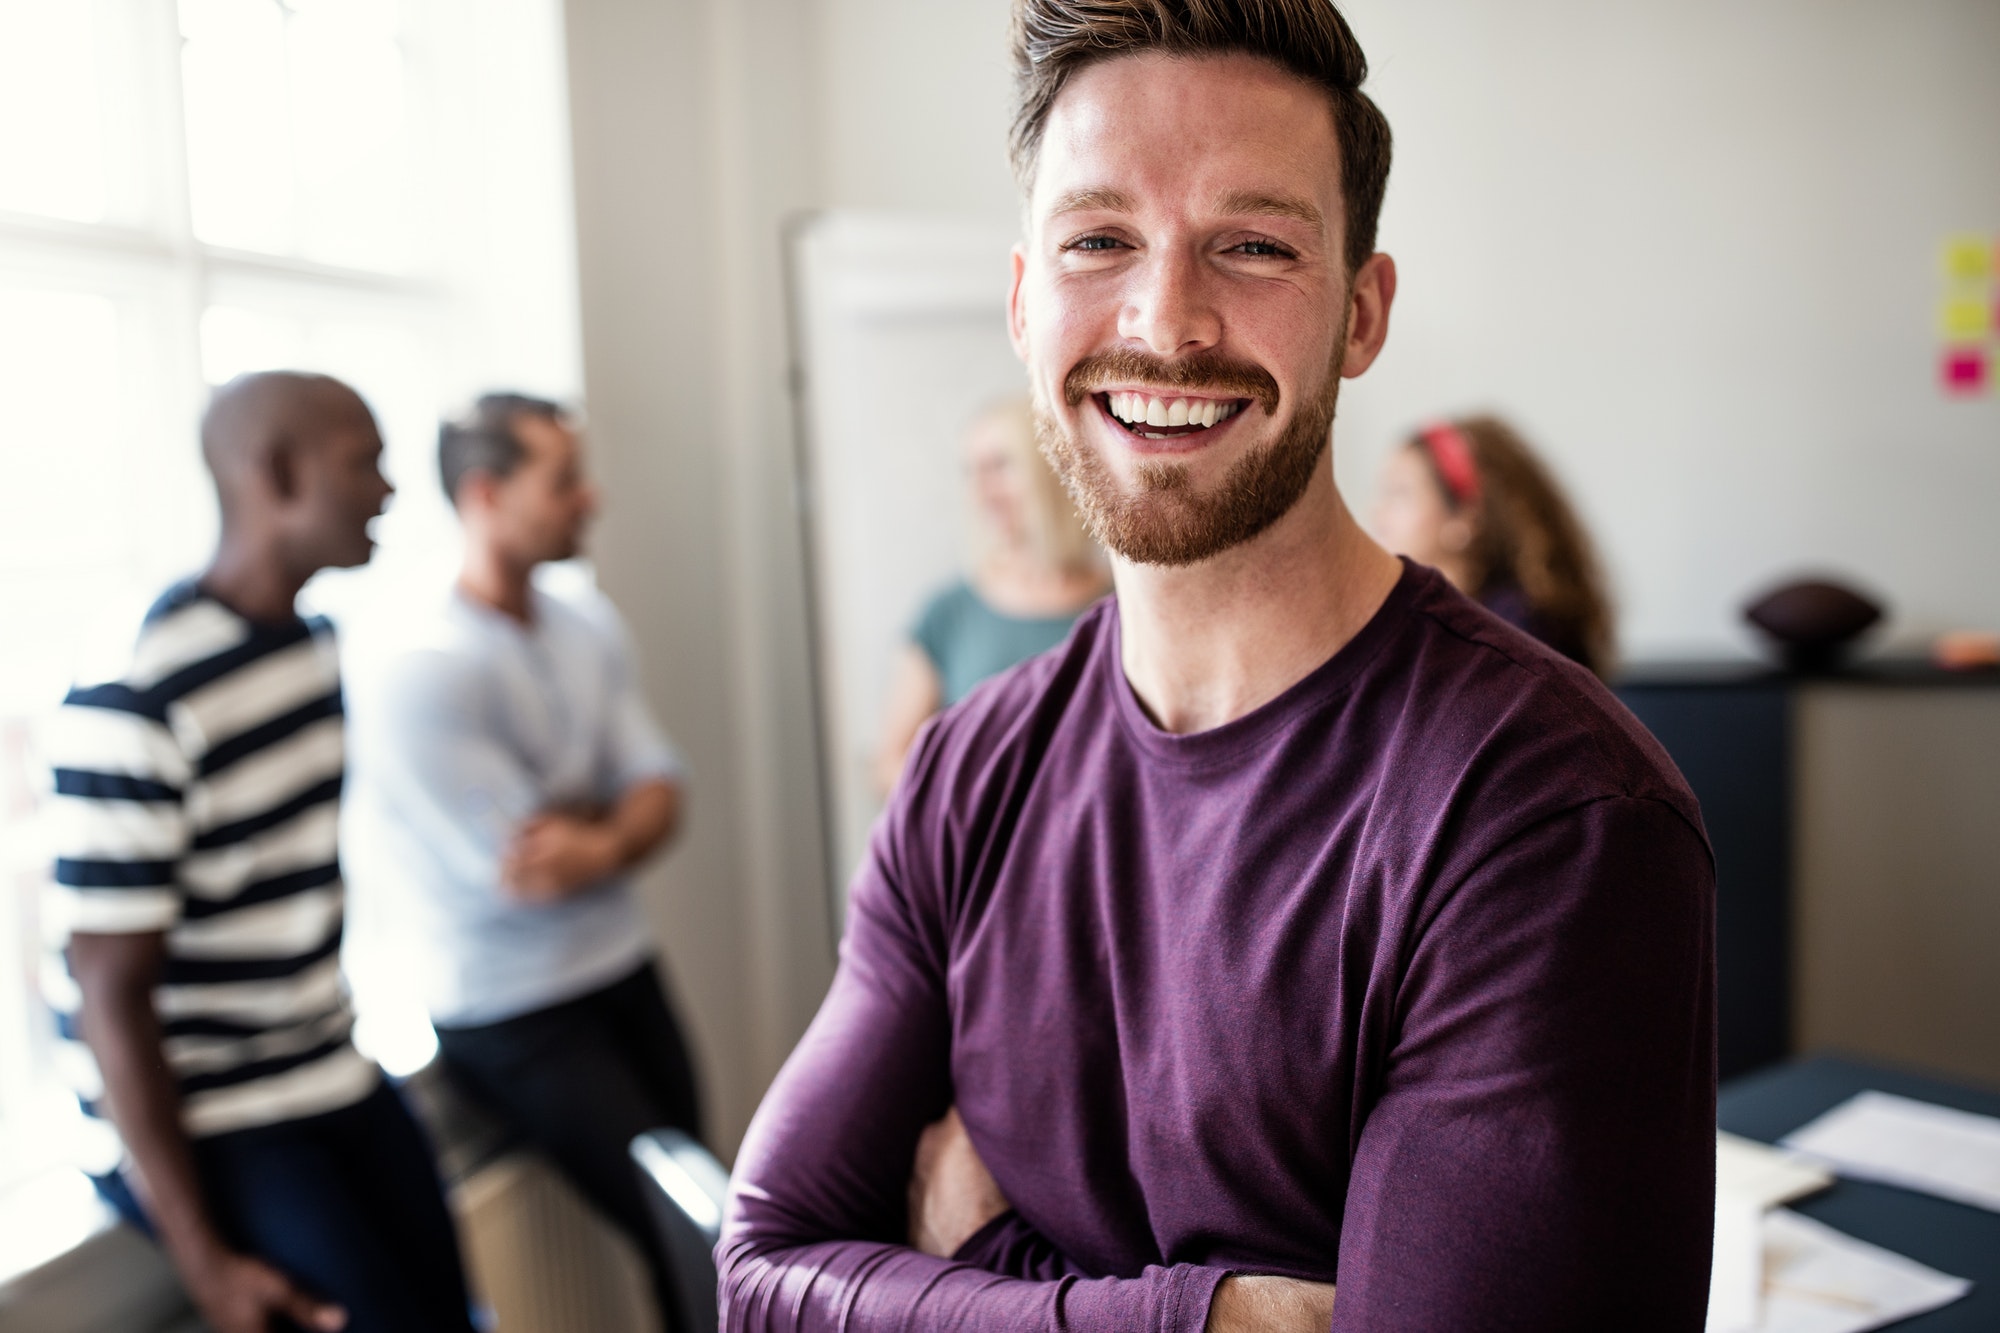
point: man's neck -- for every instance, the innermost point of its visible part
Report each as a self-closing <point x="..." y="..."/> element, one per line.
<point x="251" y="579"/>
<point x="491" y="579"/>
<point x="1205" y="644"/>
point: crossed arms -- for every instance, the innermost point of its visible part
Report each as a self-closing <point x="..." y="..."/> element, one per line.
<point x="954" y="1199"/>
<point x="1536" y="1156"/>
<point x="482" y="810"/>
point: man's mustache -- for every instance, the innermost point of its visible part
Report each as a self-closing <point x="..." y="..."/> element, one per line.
<point x="1205" y="374"/>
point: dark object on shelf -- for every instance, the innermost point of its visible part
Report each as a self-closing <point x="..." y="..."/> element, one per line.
<point x="1812" y="622"/>
<point x="1950" y="1237"/>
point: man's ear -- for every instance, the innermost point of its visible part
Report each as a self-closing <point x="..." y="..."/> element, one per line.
<point x="1017" y="317"/>
<point x="281" y="468"/>
<point x="475" y="492"/>
<point x="1368" y="314"/>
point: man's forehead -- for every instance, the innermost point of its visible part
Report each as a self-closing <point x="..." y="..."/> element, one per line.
<point x="1233" y="201"/>
<point x="1229" y="133"/>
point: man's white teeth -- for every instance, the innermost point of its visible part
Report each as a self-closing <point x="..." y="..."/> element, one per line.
<point x="1140" y="410"/>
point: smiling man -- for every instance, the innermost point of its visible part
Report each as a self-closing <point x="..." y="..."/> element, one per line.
<point x="1298" y="945"/>
<point x="197" y="793"/>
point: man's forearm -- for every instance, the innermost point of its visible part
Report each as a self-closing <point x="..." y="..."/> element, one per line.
<point x="1249" y="1304"/>
<point x="123" y="1033"/>
<point x="644" y="818"/>
<point x="561" y="854"/>
<point x="858" y="1286"/>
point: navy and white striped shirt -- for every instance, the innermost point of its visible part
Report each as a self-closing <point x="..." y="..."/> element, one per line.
<point x="197" y="793"/>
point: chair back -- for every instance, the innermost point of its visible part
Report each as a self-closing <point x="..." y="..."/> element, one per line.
<point x="686" y="1188"/>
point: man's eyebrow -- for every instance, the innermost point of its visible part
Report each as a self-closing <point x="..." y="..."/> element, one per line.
<point x="1099" y="197"/>
<point x="1272" y="206"/>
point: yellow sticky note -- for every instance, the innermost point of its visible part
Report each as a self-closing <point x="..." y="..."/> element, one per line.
<point x="1963" y="319"/>
<point x="1968" y="258"/>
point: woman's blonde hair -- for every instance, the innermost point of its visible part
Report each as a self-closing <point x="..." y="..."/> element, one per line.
<point x="1055" y="532"/>
<point x="1526" y="532"/>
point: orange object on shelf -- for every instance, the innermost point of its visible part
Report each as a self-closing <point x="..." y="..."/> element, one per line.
<point x="1967" y="650"/>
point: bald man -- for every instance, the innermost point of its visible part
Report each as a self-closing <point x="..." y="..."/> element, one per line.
<point x="197" y="792"/>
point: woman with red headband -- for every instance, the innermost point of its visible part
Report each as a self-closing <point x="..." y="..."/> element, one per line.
<point x="1470" y="498"/>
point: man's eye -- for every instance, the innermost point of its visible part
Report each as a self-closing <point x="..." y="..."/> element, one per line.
<point x="1093" y="243"/>
<point x="1264" y="249"/>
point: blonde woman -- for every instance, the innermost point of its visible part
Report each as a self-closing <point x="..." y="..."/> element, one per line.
<point x="1034" y="571"/>
<point x="1471" y="499"/>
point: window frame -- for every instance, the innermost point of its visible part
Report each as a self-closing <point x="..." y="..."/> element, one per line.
<point x="147" y="258"/>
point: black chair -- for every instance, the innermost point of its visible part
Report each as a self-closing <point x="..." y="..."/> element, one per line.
<point x="686" y="1187"/>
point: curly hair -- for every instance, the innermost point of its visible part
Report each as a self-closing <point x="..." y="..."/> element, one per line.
<point x="1526" y="532"/>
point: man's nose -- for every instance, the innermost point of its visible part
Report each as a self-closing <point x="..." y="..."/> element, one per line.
<point x="1169" y="306"/>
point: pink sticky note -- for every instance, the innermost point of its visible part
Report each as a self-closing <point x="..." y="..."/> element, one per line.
<point x="1964" y="371"/>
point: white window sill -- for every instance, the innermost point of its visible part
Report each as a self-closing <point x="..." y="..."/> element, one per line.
<point x="67" y="1265"/>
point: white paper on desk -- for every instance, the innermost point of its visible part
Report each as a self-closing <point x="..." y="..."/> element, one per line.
<point x="1736" y="1274"/>
<point x="1917" y="1145"/>
<point x="1766" y="1176"/>
<point x="1818" y="1280"/>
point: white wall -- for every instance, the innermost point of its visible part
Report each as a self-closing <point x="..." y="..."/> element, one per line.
<point x="913" y="106"/>
<point x="1691" y="247"/>
<point x="684" y="166"/>
<point x="1694" y="249"/>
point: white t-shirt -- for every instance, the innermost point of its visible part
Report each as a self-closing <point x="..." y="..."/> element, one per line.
<point x="462" y="724"/>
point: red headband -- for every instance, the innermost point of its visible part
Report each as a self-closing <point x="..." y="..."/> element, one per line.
<point x="1452" y="453"/>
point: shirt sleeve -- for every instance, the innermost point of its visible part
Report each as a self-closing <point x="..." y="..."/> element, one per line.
<point x="636" y="749"/>
<point x="813" y="1237"/>
<point x="1543" y="1151"/>
<point x="116" y="818"/>
<point x="1011" y="1247"/>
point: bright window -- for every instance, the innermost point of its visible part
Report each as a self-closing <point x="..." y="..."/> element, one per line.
<point x="52" y="159"/>
<point x="190" y="189"/>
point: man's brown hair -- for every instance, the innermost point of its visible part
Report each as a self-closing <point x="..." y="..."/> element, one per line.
<point x="1054" y="39"/>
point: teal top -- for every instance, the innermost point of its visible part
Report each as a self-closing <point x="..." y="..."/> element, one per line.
<point x="967" y="640"/>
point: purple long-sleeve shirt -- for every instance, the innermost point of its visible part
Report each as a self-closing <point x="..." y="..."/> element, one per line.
<point x="1403" y="981"/>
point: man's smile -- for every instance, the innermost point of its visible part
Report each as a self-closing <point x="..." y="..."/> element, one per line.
<point x="1160" y="418"/>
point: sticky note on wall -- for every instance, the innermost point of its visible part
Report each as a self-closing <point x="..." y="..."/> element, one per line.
<point x="1968" y="315"/>
<point x="1964" y="371"/>
<point x="1964" y="319"/>
<point x="1969" y="259"/>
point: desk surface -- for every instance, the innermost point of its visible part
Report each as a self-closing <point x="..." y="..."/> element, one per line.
<point x="1951" y="1237"/>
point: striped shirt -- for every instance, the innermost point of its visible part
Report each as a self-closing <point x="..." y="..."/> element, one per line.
<point x="197" y="794"/>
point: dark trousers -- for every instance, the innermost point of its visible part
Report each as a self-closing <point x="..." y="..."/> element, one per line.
<point x="346" y="1204"/>
<point x="580" y="1080"/>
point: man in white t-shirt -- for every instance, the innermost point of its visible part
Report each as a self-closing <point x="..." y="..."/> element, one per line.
<point x="507" y="779"/>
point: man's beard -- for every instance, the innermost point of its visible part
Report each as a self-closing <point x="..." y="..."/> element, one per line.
<point x="1164" y="520"/>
